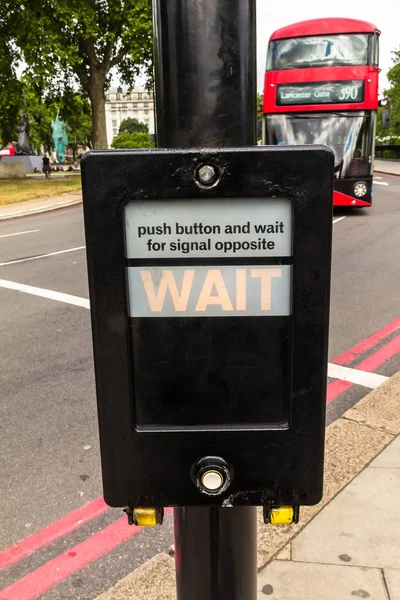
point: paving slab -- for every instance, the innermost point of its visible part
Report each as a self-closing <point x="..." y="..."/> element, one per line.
<point x="285" y="553"/>
<point x="285" y="580"/>
<point x="349" y="447"/>
<point x="392" y="578"/>
<point x="361" y="527"/>
<point x="380" y="409"/>
<point x="155" y="580"/>
<point x="390" y="457"/>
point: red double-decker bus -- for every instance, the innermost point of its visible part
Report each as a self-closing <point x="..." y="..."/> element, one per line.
<point x="321" y="87"/>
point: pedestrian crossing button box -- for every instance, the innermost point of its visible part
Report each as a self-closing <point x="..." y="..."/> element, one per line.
<point x="209" y="277"/>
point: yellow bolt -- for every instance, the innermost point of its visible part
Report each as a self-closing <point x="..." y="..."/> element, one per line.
<point x="145" y="517"/>
<point x="281" y="515"/>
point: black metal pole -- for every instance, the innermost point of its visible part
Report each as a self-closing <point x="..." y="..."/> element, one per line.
<point x="216" y="553"/>
<point x="205" y="72"/>
<point x="206" y="96"/>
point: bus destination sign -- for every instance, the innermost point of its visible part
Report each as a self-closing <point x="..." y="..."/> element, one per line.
<point x="331" y="92"/>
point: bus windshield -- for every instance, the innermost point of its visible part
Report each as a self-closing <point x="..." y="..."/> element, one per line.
<point x="348" y="134"/>
<point x="318" y="51"/>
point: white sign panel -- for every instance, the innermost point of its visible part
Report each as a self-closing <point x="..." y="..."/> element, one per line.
<point x="215" y="291"/>
<point x="209" y="229"/>
<point x="252" y="227"/>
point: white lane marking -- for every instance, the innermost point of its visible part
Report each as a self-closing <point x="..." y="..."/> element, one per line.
<point x="19" y="233"/>
<point x="369" y="380"/>
<point x="50" y="294"/>
<point x="20" y="260"/>
<point x="334" y="220"/>
<point x="377" y="177"/>
<point x="380" y="182"/>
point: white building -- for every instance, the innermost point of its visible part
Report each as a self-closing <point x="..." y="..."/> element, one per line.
<point x="122" y="103"/>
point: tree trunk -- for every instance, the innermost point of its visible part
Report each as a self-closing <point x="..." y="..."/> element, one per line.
<point x="97" y="99"/>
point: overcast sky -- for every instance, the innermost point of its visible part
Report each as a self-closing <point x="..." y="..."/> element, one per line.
<point x="385" y="14"/>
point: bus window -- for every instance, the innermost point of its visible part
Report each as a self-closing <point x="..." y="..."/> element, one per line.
<point x="376" y="50"/>
<point x="349" y="135"/>
<point x="319" y="51"/>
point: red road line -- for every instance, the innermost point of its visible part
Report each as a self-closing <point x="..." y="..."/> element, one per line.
<point x="44" y="578"/>
<point x="335" y="388"/>
<point x="378" y="358"/>
<point x="48" y="534"/>
<point x="367" y="344"/>
<point x="36" y="583"/>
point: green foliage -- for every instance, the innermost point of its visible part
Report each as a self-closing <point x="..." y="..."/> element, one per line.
<point x="10" y="87"/>
<point x="132" y="140"/>
<point x="42" y="109"/>
<point x="389" y="154"/>
<point x="394" y="94"/>
<point x="381" y="134"/>
<point x="81" y="38"/>
<point x="11" y="106"/>
<point x="131" y="125"/>
<point x="259" y="117"/>
<point x="69" y="42"/>
<point x="75" y="109"/>
<point x="41" y="112"/>
<point x="260" y="100"/>
<point x="391" y="135"/>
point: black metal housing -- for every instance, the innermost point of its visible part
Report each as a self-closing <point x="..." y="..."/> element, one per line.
<point x="271" y="465"/>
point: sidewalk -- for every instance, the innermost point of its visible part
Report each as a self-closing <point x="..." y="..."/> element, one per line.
<point x="39" y="205"/>
<point x="390" y="167"/>
<point x="352" y="548"/>
<point x="346" y="547"/>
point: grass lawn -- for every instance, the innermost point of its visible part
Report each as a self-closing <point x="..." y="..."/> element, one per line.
<point x="21" y="190"/>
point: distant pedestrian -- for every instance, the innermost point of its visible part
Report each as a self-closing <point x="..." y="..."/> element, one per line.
<point x="46" y="166"/>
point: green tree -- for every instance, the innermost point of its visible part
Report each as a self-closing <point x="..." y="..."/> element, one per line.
<point x="41" y="112"/>
<point x="384" y="136"/>
<point x="391" y="135"/>
<point x="260" y="101"/>
<point x="10" y="87"/>
<point x="66" y="42"/>
<point x="42" y="109"/>
<point x="394" y="94"/>
<point x="131" y="125"/>
<point x="76" y="110"/>
<point x="132" y="140"/>
<point x="10" y="107"/>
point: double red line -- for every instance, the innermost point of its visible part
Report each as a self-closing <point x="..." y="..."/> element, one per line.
<point x="371" y="363"/>
<point x="36" y="583"/>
